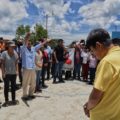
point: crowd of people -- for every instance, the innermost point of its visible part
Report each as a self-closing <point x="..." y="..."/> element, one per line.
<point x="36" y="63"/>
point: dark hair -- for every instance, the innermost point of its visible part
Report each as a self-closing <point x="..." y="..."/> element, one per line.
<point x="1" y="38"/>
<point x="60" y="40"/>
<point x="82" y="41"/>
<point x="98" y="35"/>
<point x="116" y="41"/>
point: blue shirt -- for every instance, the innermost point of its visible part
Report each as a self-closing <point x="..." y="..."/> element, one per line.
<point x="28" y="56"/>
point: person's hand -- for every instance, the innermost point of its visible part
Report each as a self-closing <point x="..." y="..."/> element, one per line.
<point x="86" y="111"/>
<point x="48" y="40"/>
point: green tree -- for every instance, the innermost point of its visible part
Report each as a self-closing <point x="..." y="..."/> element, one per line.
<point x="20" y="32"/>
<point x="40" y="32"/>
<point x="33" y="37"/>
<point x="27" y="28"/>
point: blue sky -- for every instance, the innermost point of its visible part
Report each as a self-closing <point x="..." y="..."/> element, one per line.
<point x="67" y="19"/>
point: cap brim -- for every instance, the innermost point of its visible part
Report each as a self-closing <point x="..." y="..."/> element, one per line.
<point x="12" y="45"/>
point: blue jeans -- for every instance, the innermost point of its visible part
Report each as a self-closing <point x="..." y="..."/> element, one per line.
<point x="92" y="74"/>
<point x="58" y="71"/>
<point x="38" y="79"/>
<point x="76" y="70"/>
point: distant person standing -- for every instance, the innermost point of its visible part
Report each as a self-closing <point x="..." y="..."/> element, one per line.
<point x="85" y="64"/>
<point x="49" y="52"/>
<point x="9" y="72"/>
<point x="92" y="67"/>
<point x="39" y="64"/>
<point x="28" y="64"/>
<point x="44" y="66"/>
<point x="59" y="58"/>
<point x="77" y="62"/>
<point x="18" y="49"/>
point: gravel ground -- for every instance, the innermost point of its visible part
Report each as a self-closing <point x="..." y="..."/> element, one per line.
<point x="62" y="101"/>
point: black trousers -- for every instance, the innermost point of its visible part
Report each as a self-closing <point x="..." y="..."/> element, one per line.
<point x="92" y="74"/>
<point x="48" y="70"/>
<point x="20" y="72"/>
<point x="67" y="75"/>
<point x="53" y="69"/>
<point x="44" y="70"/>
<point x="10" y="81"/>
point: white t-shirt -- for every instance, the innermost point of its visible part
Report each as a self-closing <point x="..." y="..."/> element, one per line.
<point x="85" y="56"/>
<point x="92" y="62"/>
<point x="39" y="60"/>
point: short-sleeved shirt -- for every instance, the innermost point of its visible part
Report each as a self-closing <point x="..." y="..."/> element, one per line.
<point x="92" y="62"/>
<point x="108" y="80"/>
<point x="85" y="56"/>
<point x="10" y="62"/>
<point x="59" y="53"/>
<point x="39" y="60"/>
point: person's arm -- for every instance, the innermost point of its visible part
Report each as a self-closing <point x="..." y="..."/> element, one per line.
<point x="94" y="98"/>
<point x="16" y="62"/>
<point x="54" y="53"/>
<point x="17" y="72"/>
<point x="27" y="38"/>
<point x="41" y="44"/>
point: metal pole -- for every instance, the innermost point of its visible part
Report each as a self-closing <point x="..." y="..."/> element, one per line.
<point x="47" y="24"/>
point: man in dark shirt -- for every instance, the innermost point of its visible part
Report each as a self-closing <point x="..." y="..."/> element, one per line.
<point x="59" y="58"/>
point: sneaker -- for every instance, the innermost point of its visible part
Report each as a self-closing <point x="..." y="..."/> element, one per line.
<point x="32" y="96"/>
<point x="15" y="102"/>
<point x="90" y="83"/>
<point x="61" y="81"/>
<point x="38" y="90"/>
<point x="5" y="104"/>
<point x="44" y="86"/>
<point x="54" y="82"/>
<point x="25" y="98"/>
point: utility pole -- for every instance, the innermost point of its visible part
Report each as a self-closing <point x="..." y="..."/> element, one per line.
<point x="47" y="24"/>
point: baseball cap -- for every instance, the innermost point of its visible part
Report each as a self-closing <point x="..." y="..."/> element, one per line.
<point x="11" y="44"/>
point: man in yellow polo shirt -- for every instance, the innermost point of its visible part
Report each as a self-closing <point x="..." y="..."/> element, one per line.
<point x="104" y="100"/>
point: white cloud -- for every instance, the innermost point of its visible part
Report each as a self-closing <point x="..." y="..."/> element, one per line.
<point x="77" y="1"/>
<point x="100" y="13"/>
<point x="63" y="31"/>
<point x="56" y="7"/>
<point x="117" y="22"/>
<point x="7" y="36"/>
<point x="71" y="11"/>
<point x="10" y="13"/>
